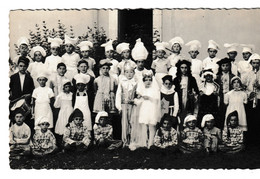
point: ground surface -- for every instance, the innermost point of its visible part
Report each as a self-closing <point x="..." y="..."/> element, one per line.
<point x="98" y="158"/>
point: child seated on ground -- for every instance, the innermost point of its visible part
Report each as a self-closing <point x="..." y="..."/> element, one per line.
<point x="232" y="135"/>
<point x="212" y="135"/>
<point x="165" y="136"/>
<point x="44" y="141"/>
<point x="20" y="134"/>
<point x="191" y="136"/>
<point x="76" y="135"/>
<point x="103" y="132"/>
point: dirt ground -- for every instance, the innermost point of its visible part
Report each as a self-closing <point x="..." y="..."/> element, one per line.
<point x="100" y="158"/>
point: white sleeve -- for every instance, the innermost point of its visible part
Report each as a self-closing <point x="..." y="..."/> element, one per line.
<point x="57" y="102"/>
<point x="176" y="104"/>
<point x="118" y="97"/>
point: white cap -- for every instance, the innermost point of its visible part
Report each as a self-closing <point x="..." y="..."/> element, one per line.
<point x="207" y="117"/>
<point x="195" y="45"/>
<point x="254" y="56"/>
<point x="38" y="49"/>
<point x="147" y="73"/>
<point x="208" y="71"/>
<point x="99" y="115"/>
<point x="213" y="45"/>
<point x="139" y="52"/>
<point x="231" y="47"/>
<point x="43" y="119"/>
<point x="55" y="42"/>
<point x="108" y="45"/>
<point x="128" y="66"/>
<point x="177" y="40"/>
<point x="247" y="48"/>
<point x="189" y="118"/>
<point x="82" y="78"/>
<point x="122" y="47"/>
<point x="161" y="45"/>
<point x="42" y="73"/>
<point x="64" y="81"/>
<point x="69" y="40"/>
<point x="85" y="45"/>
<point x="22" y="40"/>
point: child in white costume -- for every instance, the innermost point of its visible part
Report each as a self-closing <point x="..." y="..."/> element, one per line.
<point x="85" y="51"/>
<point x="37" y="53"/>
<point x="161" y="65"/>
<point x="149" y="114"/>
<point x="43" y="98"/>
<point x="70" y="58"/>
<point x="232" y="53"/>
<point x="176" y="46"/>
<point x="54" y="59"/>
<point x="64" y="102"/>
<point x="196" y="64"/>
<point x="109" y="50"/>
<point x="211" y="60"/>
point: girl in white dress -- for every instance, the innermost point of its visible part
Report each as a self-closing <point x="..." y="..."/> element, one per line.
<point x="235" y="99"/>
<point x="149" y="115"/>
<point x="64" y="102"/>
<point x="43" y="99"/>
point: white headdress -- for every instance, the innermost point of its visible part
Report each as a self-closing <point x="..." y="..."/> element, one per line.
<point x="161" y="45"/>
<point x="177" y="40"/>
<point x="108" y="45"/>
<point x="195" y="45"/>
<point x="23" y="40"/>
<point x="69" y="40"/>
<point x="38" y="49"/>
<point x="55" y="42"/>
<point x="122" y="47"/>
<point x="139" y="52"/>
<point x="231" y="47"/>
<point x="207" y="117"/>
<point x="189" y="118"/>
<point x="213" y="45"/>
<point x="85" y="45"/>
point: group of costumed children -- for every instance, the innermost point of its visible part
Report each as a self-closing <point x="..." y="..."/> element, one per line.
<point x="190" y="105"/>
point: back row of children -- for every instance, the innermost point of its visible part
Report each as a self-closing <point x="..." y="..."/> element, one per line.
<point x="180" y="88"/>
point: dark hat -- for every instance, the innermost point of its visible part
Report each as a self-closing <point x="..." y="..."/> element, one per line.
<point x="183" y="61"/>
<point x="24" y="60"/>
<point x="234" y="113"/>
<point x="167" y="77"/>
<point x="76" y="113"/>
<point x="224" y="60"/>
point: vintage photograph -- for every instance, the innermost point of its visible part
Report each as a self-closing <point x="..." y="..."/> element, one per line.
<point x="134" y="89"/>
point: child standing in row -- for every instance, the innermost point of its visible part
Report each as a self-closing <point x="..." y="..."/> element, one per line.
<point x="43" y="99"/>
<point x="54" y="59"/>
<point x="43" y="142"/>
<point x="85" y="52"/>
<point x="211" y="60"/>
<point x="232" y="53"/>
<point x="104" y="86"/>
<point x="212" y="134"/>
<point x="70" y="58"/>
<point x="160" y="65"/>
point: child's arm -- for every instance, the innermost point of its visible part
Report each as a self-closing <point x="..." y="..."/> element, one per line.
<point x="87" y="138"/>
<point x="95" y="86"/>
<point x="66" y="136"/>
<point x="118" y="98"/>
<point x="157" y="139"/>
<point x="57" y="103"/>
<point x="11" y="136"/>
<point x="97" y="133"/>
<point x="174" y="137"/>
<point x="176" y="104"/>
<point x="33" y="106"/>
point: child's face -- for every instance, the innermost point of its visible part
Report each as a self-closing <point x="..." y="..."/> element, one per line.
<point x="140" y="64"/>
<point x="246" y="55"/>
<point x="83" y="67"/>
<point x="184" y="69"/>
<point x="42" y="81"/>
<point x="105" y="70"/>
<point x="55" y="51"/>
<point x="61" y="70"/>
<point x="191" y="124"/>
<point x="193" y="54"/>
<point x="236" y="84"/>
<point x="23" y="49"/>
<point x="85" y="53"/>
<point x="167" y="84"/>
<point x="38" y="56"/>
<point x="209" y="78"/>
<point x="176" y="48"/>
<point x="225" y="67"/>
<point x="44" y="126"/>
<point x="212" y="52"/>
<point x="160" y="53"/>
<point x="232" y="55"/>
<point x="129" y="74"/>
<point x="233" y="121"/>
<point x="109" y="53"/>
<point x="126" y="54"/>
<point x="148" y="81"/>
<point x="255" y="64"/>
<point x="66" y="88"/>
<point x="81" y="87"/>
<point x="19" y="119"/>
<point x="22" y="67"/>
<point x="166" y="124"/>
<point x="78" y="120"/>
<point x="69" y="48"/>
<point x="102" y="121"/>
<point x="209" y="124"/>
